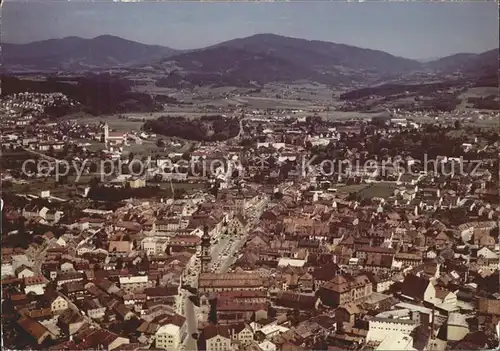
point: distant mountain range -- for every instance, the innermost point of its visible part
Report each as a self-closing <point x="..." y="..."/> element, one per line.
<point x="74" y="53"/>
<point x="257" y="59"/>
<point x="265" y="58"/>
<point x="469" y="64"/>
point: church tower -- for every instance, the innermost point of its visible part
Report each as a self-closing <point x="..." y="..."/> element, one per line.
<point x="205" y="250"/>
<point x="105" y="133"/>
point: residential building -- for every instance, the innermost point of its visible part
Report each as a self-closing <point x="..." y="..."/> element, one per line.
<point x="380" y="328"/>
<point x="171" y="333"/>
<point x="342" y="290"/>
<point x="418" y="289"/>
<point x="209" y="282"/>
<point x="132" y="284"/>
<point x="35" y="284"/>
<point x="215" y="338"/>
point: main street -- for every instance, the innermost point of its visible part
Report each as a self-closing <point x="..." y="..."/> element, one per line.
<point x="189" y="343"/>
<point x="38" y="258"/>
<point x="223" y="255"/>
<point x="224" y="261"/>
<point x="75" y="308"/>
<point x="229" y="254"/>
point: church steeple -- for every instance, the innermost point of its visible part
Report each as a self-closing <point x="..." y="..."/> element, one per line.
<point x="105" y="133"/>
<point x="205" y="235"/>
<point x="205" y="250"/>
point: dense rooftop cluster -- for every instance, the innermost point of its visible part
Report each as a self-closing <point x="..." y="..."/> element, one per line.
<point x="293" y="242"/>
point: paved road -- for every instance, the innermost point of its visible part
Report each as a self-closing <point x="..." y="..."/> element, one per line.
<point x="221" y="251"/>
<point x="77" y="310"/>
<point x="219" y="247"/>
<point x="38" y="260"/>
<point x="225" y="261"/>
<point x="189" y="343"/>
<point x="222" y="254"/>
<point x="39" y="257"/>
<point x="240" y="132"/>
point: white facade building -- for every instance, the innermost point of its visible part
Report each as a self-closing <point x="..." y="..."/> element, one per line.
<point x="170" y="336"/>
<point x="218" y="343"/>
<point x="396" y="342"/>
<point x="379" y="328"/>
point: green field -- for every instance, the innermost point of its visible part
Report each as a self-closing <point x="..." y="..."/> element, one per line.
<point x="368" y="191"/>
<point x="115" y="123"/>
<point x="488" y="123"/>
<point x="150" y="149"/>
<point x="382" y="190"/>
<point x="346" y="189"/>
<point x="184" y="186"/>
<point x="479" y="92"/>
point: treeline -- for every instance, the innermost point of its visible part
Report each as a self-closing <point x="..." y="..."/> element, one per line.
<point x="60" y="110"/>
<point x="429" y="143"/>
<point x="190" y="80"/>
<point x="445" y="102"/>
<point x="486" y="103"/>
<point x="165" y="99"/>
<point x="98" y="94"/>
<point x="392" y="89"/>
<point x="487" y="81"/>
<point x="206" y="128"/>
<point x="111" y="194"/>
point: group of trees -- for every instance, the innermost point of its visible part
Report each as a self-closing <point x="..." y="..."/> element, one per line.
<point x="14" y="159"/>
<point x="191" y="80"/>
<point x="423" y="145"/>
<point x="111" y="194"/>
<point x="24" y="232"/>
<point x="392" y="89"/>
<point x="434" y="96"/>
<point x="443" y="102"/>
<point x="21" y="238"/>
<point x="206" y="128"/>
<point x="485" y="103"/>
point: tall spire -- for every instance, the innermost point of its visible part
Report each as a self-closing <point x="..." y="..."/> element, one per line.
<point x="205" y="233"/>
<point x="205" y="250"/>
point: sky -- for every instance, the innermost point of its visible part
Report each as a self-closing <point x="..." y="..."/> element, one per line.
<point x="417" y="30"/>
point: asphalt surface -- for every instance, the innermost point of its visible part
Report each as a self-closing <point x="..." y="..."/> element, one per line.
<point x="189" y="343"/>
<point x="223" y="255"/>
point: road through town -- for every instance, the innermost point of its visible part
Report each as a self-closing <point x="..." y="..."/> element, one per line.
<point x="223" y="255"/>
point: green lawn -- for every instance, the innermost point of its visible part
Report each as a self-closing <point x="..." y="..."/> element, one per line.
<point x="184" y="186"/>
<point x="351" y="188"/>
<point x="382" y="190"/>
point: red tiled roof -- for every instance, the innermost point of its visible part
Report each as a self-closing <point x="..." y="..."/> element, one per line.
<point x="35" y="280"/>
<point x="212" y="331"/>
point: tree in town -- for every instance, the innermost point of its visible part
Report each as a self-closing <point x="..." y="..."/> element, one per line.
<point x="131" y="156"/>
